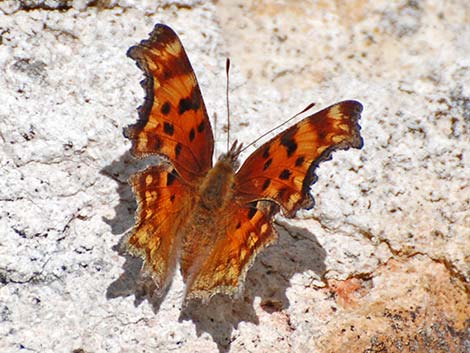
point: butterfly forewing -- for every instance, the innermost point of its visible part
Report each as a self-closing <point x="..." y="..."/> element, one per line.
<point x="282" y="169"/>
<point x="173" y="120"/>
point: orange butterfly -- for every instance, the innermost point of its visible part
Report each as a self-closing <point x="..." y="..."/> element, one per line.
<point x="213" y="220"/>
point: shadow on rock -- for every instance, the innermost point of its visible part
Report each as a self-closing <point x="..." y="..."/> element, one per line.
<point x="296" y="251"/>
<point x="120" y="171"/>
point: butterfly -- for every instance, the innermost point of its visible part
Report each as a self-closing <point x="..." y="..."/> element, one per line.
<point x="214" y="219"/>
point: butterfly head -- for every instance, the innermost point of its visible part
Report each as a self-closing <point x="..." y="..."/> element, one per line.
<point x="232" y="155"/>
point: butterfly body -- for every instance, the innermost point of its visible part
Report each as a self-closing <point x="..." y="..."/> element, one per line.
<point x="204" y="225"/>
<point x="214" y="219"/>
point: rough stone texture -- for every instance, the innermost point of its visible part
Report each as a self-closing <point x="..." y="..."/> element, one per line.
<point x="382" y="263"/>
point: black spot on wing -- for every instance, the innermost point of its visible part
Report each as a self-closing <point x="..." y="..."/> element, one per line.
<point x="288" y="140"/>
<point x="266" y="152"/>
<point x="178" y="148"/>
<point x="172" y="198"/>
<point x="238" y="225"/>
<point x="184" y="105"/>
<point x="165" y="109"/>
<point x="193" y="102"/>
<point x="285" y="174"/>
<point x="168" y="128"/>
<point x="192" y="134"/>
<point x="201" y="127"/>
<point x="299" y="161"/>
<point x="267" y="164"/>
<point x="170" y="178"/>
<point x="290" y="145"/>
<point x="266" y="183"/>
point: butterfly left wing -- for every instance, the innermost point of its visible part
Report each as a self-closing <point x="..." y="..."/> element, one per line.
<point x="164" y="202"/>
<point x="282" y="169"/>
<point x="173" y="120"/>
<point x="246" y="231"/>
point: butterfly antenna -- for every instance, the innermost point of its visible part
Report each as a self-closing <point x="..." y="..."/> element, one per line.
<point x="308" y="107"/>
<point x="227" y="69"/>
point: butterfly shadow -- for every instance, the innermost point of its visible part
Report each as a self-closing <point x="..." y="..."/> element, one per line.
<point x="120" y="171"/>
<point x="296" y="251"/>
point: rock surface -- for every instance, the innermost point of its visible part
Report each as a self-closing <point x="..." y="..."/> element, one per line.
<point x="382" y="263"/>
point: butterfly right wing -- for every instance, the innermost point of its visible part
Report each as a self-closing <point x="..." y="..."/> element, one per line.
<point x="283" y="169"/>
<point x="163" y="204"/>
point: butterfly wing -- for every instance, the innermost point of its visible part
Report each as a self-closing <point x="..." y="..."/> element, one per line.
<point x="173" y="120"/>
<point x="164" y="202"/>
<point x="247" y="230"/>
<point x="282" y="169"/>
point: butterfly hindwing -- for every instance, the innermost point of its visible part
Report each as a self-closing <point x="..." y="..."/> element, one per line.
<point x="173" y="120"/>
<point x="247" y="230"/>
<point x="282" y="169"/>
<point x="163" y="202"/>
